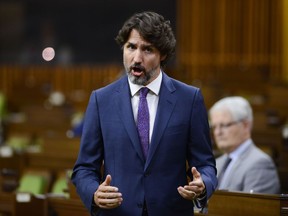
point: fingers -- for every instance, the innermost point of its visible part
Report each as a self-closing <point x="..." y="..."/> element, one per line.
<point x="194" y="195"/>
<point x="108" y="200"/>
<point x="187" y="194"/>
<point x="107" y="180"/>
<point x="195" y="173"/>
<point x="105" y="186"/>
<point x="107" y="196"/>
<point x="197" y="179"/>
<point x="194" y="188"/>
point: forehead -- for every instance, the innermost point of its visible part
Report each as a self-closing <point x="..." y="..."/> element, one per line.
<point x="221" y="116"/>
<point x="136" y="38"/>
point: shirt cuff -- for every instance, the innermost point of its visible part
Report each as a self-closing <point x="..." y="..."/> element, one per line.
<point x="200" y="202"/>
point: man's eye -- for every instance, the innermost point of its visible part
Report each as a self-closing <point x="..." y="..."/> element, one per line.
<point x="148" y="49"/>
<point x="131" y="46"/>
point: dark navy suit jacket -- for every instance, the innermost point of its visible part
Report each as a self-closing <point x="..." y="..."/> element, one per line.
<point x="181" y="133"/>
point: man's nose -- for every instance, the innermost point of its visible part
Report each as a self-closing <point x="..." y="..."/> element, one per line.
<point x="217" y="130"/>
<point x="138" y="56"/>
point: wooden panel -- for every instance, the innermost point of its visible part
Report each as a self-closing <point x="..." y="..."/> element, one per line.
<point x="67" y="207"/>
<point x="238" y="204"/>
<point x="283" y="176"/>
<point x="26" y="83"/>
<point x="10" y="171"/>
<point x="6" y="204"/>
<point x="68" y="146"/>
<point x="35" y="206"/>
<point x="240" y="35"/>
<point x="13" y="204"/>
<point x="53" y="161"/>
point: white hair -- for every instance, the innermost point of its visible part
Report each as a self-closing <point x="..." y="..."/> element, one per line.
<point x="239" y="108"/>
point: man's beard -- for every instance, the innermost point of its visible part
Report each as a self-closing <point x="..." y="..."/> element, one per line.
<point x="142" y="80"/>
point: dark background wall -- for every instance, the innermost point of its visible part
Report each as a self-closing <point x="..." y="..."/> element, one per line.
<point x="80" y="31"/>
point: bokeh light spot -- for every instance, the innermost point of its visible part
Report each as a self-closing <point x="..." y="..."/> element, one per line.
<point x="48" y="54"/>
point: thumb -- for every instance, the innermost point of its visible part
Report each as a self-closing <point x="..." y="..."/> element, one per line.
<point x="107" y="181"/>
<point x="195" y="173"/>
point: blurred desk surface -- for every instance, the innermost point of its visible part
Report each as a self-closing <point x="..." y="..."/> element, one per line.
<point x="222" y="203"/>
<point x="226" y="203"/>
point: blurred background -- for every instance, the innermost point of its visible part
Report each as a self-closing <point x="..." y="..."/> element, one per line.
<point x="54" y="53"/>
<point x="81" y="32"/>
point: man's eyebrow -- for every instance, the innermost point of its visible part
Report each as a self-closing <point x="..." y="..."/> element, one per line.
<point x="130" y="43"/>
<point x="142" y="45"/>
<point x="148" y="46"/>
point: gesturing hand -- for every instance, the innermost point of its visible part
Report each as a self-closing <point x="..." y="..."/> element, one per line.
<point x="195" y="188"/>
<point x="107" y="196"/>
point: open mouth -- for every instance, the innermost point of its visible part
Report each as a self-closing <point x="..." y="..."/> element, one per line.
<point x="137" y="70"/>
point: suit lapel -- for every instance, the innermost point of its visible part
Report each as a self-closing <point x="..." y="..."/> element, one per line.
<point x="167" y="101"/>
<point x="123" y="106"/>
<point x="233" y="174"/>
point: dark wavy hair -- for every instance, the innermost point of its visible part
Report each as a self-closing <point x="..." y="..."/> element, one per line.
<point x="154" y="29"/>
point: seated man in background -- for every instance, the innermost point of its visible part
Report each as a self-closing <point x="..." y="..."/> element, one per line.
<point x="243" y="166"/>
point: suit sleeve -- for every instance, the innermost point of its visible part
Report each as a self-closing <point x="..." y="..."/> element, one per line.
<point x="200" y="148"/>
<point x="262" y="178"/>
<point x="86" y="174"/>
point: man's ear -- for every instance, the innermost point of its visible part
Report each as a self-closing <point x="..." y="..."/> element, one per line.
<point x="247" y="124"/>
<point x="163" y="57"/>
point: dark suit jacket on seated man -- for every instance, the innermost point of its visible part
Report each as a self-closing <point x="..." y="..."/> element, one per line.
<point x="135" y="183"/>
<point x="250" y="170"/>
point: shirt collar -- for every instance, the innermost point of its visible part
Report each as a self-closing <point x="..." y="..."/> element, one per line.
<point x="154" y="86"/>
<point x="235" y="154"/>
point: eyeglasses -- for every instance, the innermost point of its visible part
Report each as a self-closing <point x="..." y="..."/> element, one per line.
<point x="224" y="126"/>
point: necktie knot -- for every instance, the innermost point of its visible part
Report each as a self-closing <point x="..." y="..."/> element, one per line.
<point x="143" y="92"/>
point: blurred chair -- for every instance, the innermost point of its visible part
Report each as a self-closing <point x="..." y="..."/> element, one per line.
<point x="60" y="185"/>
<point x="35" y="182"/>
